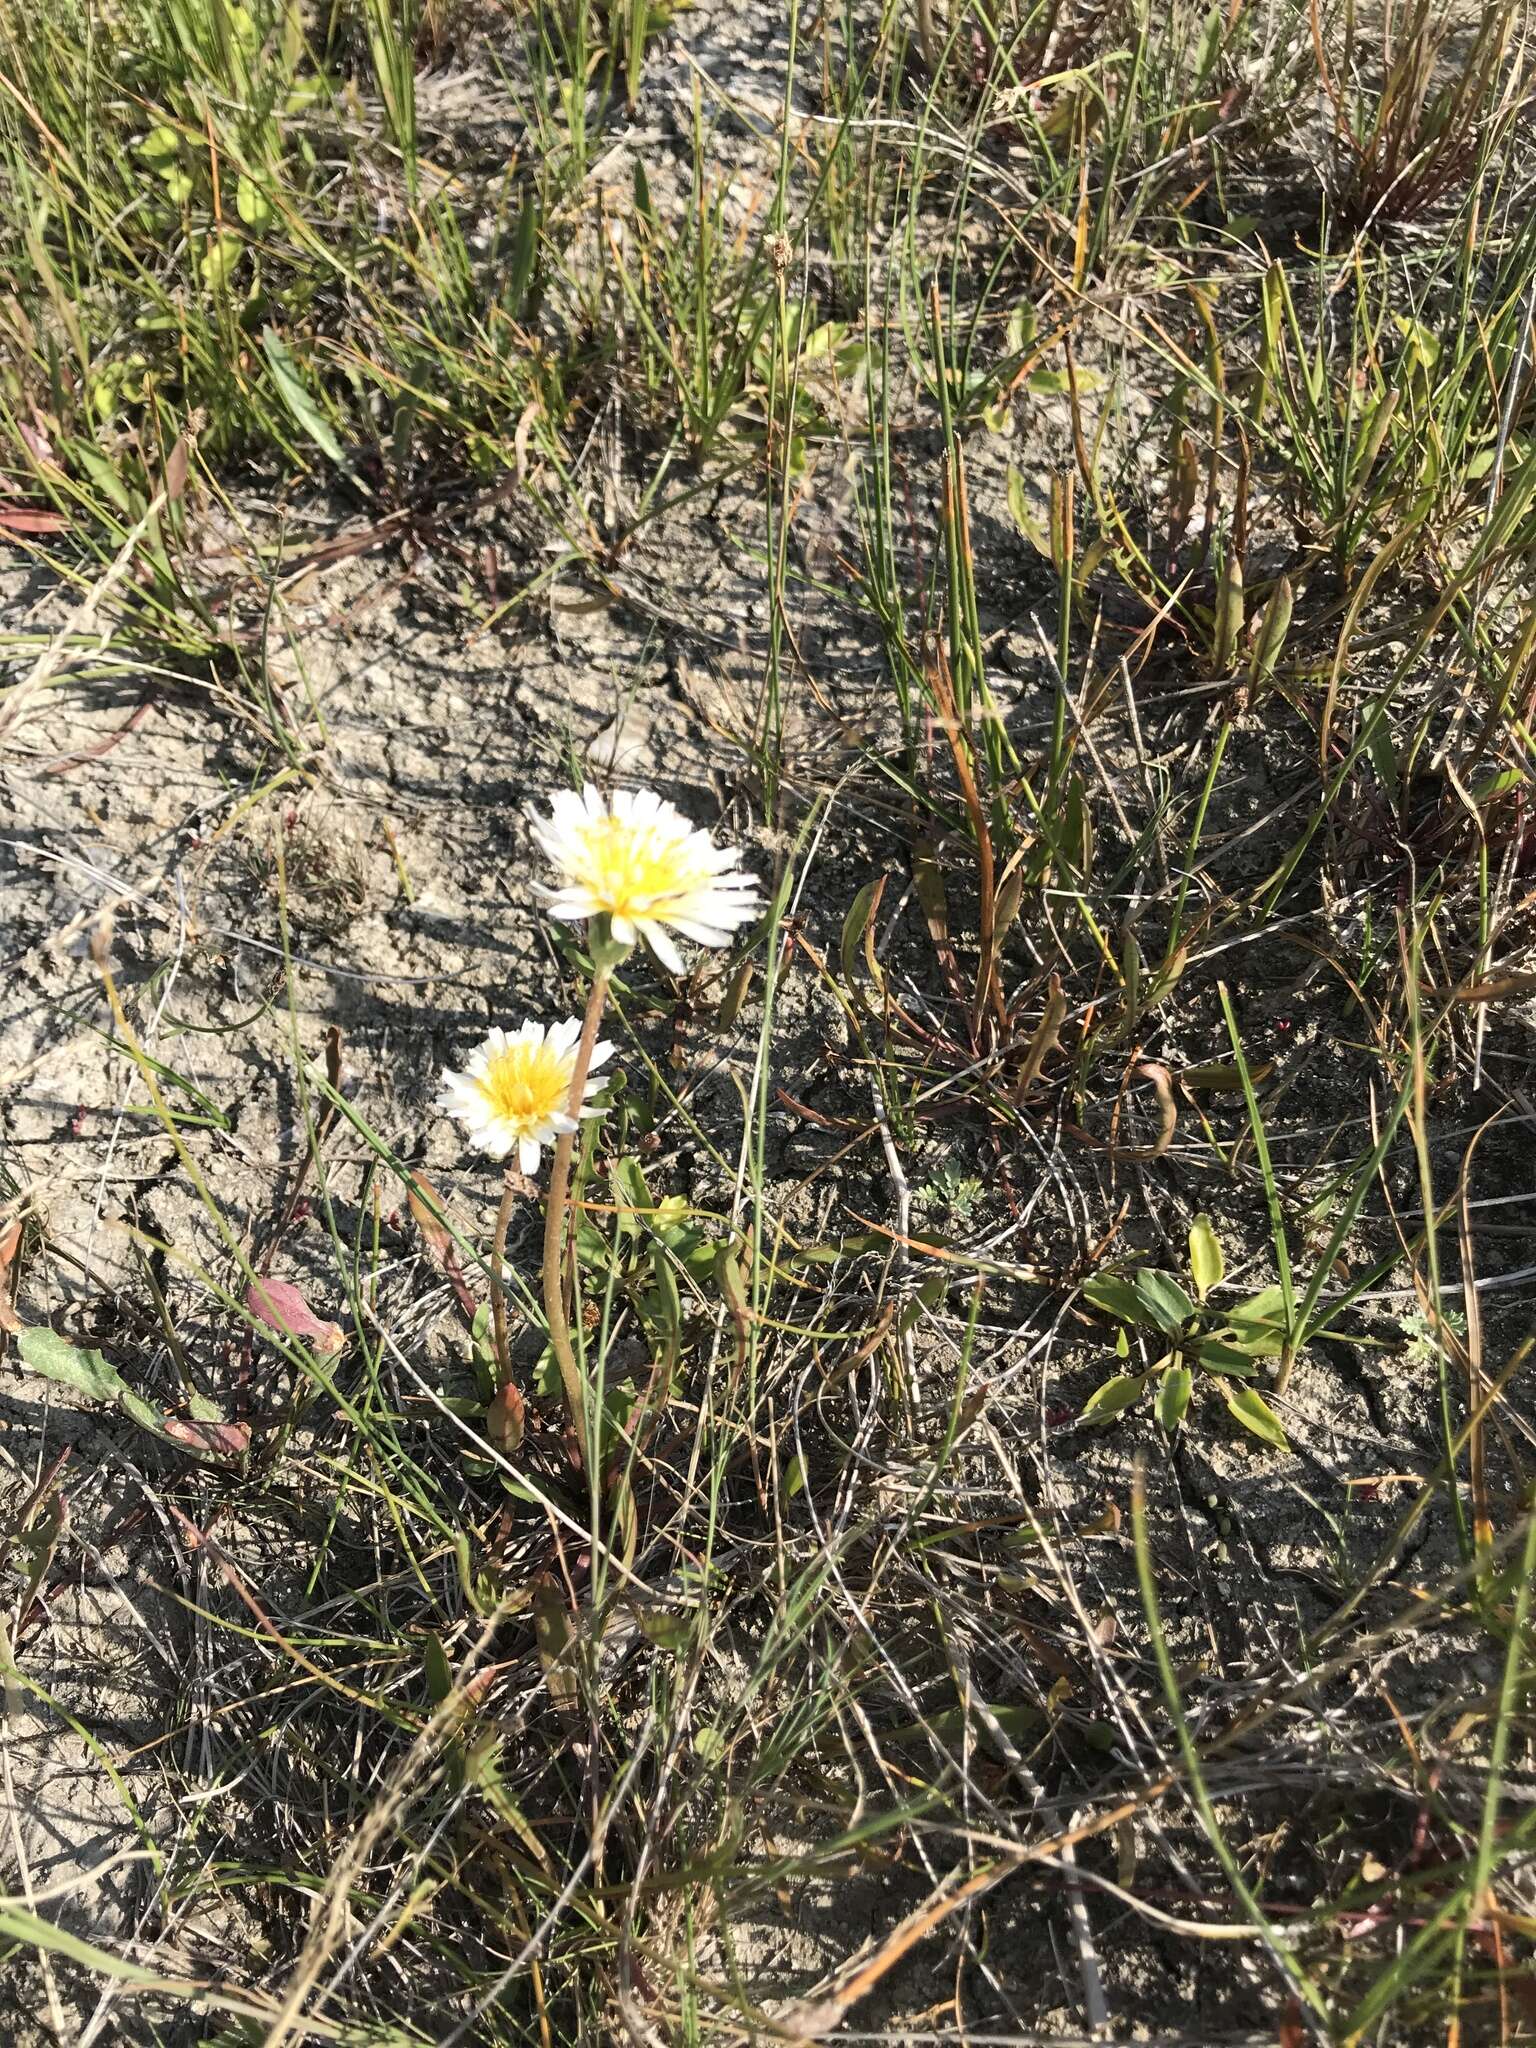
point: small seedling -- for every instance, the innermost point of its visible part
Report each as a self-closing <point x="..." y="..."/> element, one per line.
<point x="1222" y="1346"/>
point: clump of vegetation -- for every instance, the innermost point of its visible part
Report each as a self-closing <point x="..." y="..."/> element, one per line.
<point x="988" y="1467"/>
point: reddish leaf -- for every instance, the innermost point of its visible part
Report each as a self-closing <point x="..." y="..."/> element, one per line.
<point x="32" y="519"/>
<point x="38" y="443"/>
<point x="279" y="1304"/>
<point x="10" y="1244"/>
<point x="504" y="1419"/>
<point x="218" y="1439"/>
<point x="176" y="470"/>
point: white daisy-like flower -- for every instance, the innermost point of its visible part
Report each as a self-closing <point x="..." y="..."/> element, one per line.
<point x="638" y="862"/>
<point x="516" y="1090"/>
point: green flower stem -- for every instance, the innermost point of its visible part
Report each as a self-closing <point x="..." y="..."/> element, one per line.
<point x="554" y="1220"/>
<point x="498" y="1291"/>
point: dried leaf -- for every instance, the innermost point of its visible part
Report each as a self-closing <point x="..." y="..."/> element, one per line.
<point x="10" y="1244"/>
<point x="176" y="470"/>
<point x="428" y="1207"/>
<point x="1047" y="1038"/>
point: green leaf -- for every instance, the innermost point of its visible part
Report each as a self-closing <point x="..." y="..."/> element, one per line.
<point x="1115" y="1396"/>
<point x="1165" y="1300"/>
<point x="630" y="1187"/>
<point x="554" y="1632"/>
<point x="291" y="389"/>
<point x="219" y="259"/>
<point x="1255" y="1414"/>
<point x="854" y="926"/>
<point x="1216" y="1356"/>
<point x="252" y="203"/>
<point x="1173" y="1396"/>
<point x="793" y="1480"/>
<point x="87" y="1372"/>
<point x="1152" y="1300"/>
<point x="1206" y="1264"/>
<point x="67" y="1366"/>
<point x="159" y="144"/>
<point x="439" y="1669"/>
<point x="1023" y="515"/>
<point x="1113" y="1293"/>
<point x="1257" y="1326"/>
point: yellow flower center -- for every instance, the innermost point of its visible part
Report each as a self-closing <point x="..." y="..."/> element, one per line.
<point x="526" y="1084"/>
<point x="630" y="869"/>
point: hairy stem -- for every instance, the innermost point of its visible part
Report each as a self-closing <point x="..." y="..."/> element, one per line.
<point x="554" y="1220"/>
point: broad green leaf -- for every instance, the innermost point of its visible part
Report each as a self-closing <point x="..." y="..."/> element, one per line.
<point x="1115" y="1395"/>
<point x="1165" y="1300"/>
<point x="252" y="203"/>
<point x="1255" y="1414"/>
<point x="1113" y="1293"/>
<point x="218" y="260"/>
<point x="1263" y="1307"/>
<point x="1152" y="1299"/>
<point x="1173" y="1396"/>
<point x="1216" y="1356"/>
<point x="69" y="1366"/>
<point x="793" y="1480"/>
<point x="629" y="1185"/>
<point x="88" y="1373"/>
<point x="1206" y="1264"/>
<point x="159" y="144"/>
<point x="1257" y="1326"/>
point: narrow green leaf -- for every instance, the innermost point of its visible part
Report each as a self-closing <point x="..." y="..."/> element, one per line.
<point x="1255" y="1414"/>
<point x="1115" y="1395"/>
<point x="291" y="389"/>
<point x="1173" y="1396"/>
